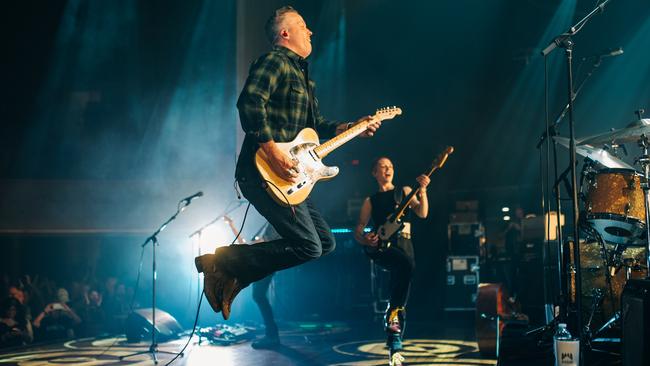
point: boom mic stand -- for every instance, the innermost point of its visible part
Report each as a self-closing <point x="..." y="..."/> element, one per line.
<point x="551" y="131"/>
<point x="564" y="41"/>
<point x="153" y="239"/>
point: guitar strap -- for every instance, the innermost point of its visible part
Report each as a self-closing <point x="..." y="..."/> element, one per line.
<point x="398" y="195"/>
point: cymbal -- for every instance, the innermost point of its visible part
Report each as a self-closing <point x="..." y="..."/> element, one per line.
<point x="600" y="156"/>
<point x="630" y="133"/>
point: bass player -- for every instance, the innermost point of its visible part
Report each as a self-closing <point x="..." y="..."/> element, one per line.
<point x="399" y="258"/>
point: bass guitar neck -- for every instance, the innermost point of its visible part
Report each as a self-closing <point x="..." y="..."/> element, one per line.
<point x="394" y="222"/>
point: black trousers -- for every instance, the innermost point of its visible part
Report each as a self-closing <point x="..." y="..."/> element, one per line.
<point x="304" y="235"/>
<point x="260" y="295"/>
<point x="399" y="260"/>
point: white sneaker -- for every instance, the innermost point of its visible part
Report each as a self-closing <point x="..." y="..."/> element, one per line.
<point x="396" y="360"/>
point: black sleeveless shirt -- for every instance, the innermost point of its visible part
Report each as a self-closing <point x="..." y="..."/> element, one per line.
<point x="384" y="204"/>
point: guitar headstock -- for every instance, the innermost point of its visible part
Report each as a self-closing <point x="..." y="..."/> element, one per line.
<point x="228" y="220"/>
<point x="387" y="113"/>
<point x="442" y="158"/>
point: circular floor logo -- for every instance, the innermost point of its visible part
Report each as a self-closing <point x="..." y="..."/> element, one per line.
<point x="416" y="352"/>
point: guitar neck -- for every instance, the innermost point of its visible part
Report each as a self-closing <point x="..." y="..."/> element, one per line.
<point x="240" y="239"/>
<point x="327" y="147"/>
<point x="407" y="201"/>
<point x="440" y="161"/>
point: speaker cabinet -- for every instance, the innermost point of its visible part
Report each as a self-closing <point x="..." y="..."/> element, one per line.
<point x="635" y="309"/>
<point x="140" y="322"/>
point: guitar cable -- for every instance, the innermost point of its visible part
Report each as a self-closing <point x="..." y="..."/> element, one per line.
<point x="198" y="308"/>
<point x="286" y="199"/>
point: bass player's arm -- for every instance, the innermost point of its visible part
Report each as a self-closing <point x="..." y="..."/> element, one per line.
<point x="420" y="203"/>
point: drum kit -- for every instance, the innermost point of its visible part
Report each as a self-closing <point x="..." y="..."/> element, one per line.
<point x="615" y="200"/>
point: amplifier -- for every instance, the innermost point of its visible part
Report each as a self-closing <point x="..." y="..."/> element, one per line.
<point x="635" y="314"/>
<point x="462" y="283"/>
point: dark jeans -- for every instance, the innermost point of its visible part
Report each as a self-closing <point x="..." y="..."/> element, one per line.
<point x="260" y="290"/>
<point x="305" y="236"/>
<point x="400" y="262"/>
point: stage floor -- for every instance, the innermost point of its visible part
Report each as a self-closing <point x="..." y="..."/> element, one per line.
<point x="449" y="343"/>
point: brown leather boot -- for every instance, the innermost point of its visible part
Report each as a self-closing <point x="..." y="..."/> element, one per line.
<point x="206" y="263"/>
<point x="213" y="288"/>
<point x="231" y="288"/>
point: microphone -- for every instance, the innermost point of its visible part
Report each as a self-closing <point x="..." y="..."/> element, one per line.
<point x="189" y="199"/>
<point x="612" y="52"/>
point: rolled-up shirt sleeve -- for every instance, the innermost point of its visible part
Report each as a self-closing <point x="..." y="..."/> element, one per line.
<point x="262" y="81"/>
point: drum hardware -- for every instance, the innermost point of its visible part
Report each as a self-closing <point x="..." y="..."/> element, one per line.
<point x="609" y="324"/>
<point x="616" y="200"/>
<point x="614" y="148"/>
<point x="596" y="299"/>
<point x="616" y="260"/>
<point x="639" y="113"/>
<point x="604" y="262"/>
<point x="627" y="134"/>
<point x="595" y="154"/>
<point x="644" y="160"/>
<point x="614" y="205"/>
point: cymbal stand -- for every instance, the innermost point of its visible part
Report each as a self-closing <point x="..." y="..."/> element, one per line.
<point x="644" y="160"/>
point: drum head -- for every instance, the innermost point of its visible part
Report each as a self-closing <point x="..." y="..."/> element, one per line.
<point x="618" y="229"/>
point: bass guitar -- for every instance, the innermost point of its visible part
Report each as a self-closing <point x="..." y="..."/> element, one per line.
<point x="306" y="151"/>
<point x="394" y="221"/>
<point x="233" y="228"/>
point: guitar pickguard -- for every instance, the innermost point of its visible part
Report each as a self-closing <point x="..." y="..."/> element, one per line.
<point x="388" y="229"/>
<point x="305" y="149"/>
<point x="310" y="168"/>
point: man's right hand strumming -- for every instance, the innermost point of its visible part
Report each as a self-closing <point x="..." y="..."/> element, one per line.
<point x="285" y="167"/>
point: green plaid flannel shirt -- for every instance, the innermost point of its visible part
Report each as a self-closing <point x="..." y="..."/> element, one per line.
<point x="274" y="103"/>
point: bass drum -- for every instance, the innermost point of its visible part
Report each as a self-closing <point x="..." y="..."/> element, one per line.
<point x="594" y="270"/>
<point x="615" y="205"/>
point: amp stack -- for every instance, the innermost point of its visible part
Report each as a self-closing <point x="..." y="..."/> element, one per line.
<point x="466" y="236"/>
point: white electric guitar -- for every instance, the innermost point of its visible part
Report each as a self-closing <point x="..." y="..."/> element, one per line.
<point x="308" y="153"/>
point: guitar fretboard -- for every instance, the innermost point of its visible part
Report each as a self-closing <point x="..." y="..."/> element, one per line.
<point x="327" y="147"/>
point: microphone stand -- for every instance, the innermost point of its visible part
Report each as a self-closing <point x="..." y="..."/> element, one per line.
<point x="564" y="41"/>
<point x="560" y="116"/>
<point x="153" y="239"/>
<point x="199" y="231"/>
<point x="552" y="131"/>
